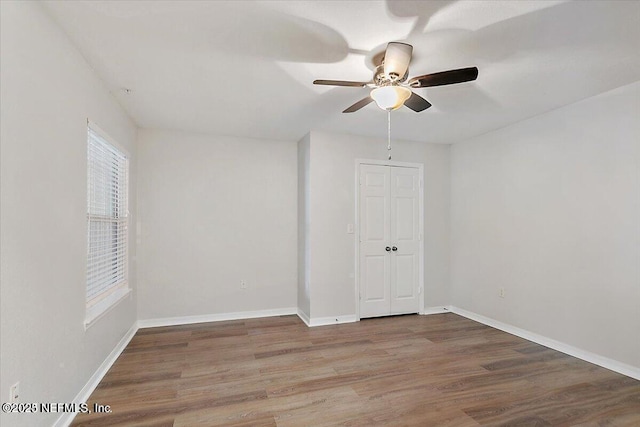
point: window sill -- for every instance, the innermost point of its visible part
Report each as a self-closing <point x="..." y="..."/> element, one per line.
<point x="103" y="307"/>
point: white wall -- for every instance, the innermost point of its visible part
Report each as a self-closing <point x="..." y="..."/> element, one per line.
<point x="215" y="210"/>
<point x="304" y="225"/>
<point x="549" y="209"/>
<point x="47" y="93"/>
<point x="332" y="207"/>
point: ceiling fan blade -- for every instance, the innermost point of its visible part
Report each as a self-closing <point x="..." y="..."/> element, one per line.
<point x="396" y="59"/>
<point x="417" y="103"/>
<point x="339" y="83"/>
<point x="358" y="105"/>
<point x="445" y="78"/>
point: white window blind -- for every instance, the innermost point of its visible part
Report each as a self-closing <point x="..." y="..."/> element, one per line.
<point x="107" y="223"/>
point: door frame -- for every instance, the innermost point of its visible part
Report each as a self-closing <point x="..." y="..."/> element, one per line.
<point x="389" y="163"/>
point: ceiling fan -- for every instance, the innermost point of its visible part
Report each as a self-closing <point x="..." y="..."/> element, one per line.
<point x="391" y="89"/>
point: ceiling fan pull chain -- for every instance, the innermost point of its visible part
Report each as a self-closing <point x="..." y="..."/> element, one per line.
<point x="389" y="133"/>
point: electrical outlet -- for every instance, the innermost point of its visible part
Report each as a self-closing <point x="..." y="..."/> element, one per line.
<point x="501" y="293"/>
<point x="14" y="393"/>
<point x="243" y="284"/>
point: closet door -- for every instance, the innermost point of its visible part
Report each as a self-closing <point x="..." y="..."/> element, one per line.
<point x="389" y="240"/>
<point x="375" y="251"/>
<point x="405" y="245"/>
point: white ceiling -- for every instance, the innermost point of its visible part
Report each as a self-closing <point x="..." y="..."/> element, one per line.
<point x="245" y="68"/>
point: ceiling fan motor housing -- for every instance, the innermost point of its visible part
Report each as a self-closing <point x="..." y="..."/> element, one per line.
<point x="380" y="78"/>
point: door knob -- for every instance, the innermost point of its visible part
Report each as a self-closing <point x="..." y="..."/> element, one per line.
<point x="387" y="249"/>
<point x="394" y="249"/>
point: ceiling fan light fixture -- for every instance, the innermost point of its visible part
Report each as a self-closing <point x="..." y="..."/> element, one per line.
<point x="391" y="83"/>
<point x="390" y="97"/>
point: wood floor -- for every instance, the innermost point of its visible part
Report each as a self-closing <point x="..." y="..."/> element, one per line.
<point x="438" y="370"/>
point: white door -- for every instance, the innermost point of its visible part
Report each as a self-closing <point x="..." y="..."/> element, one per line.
<point x="389" y="240"/>
<point x="375" y="237"/>
<point x="405" y="233"/>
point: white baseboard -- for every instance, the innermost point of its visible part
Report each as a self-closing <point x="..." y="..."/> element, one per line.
<point x="219" y="317"/>
<point x="596" y="359"/>
<point x="434" y="310"/>
<point x="333" y="320"/>
<point x="66" y="418"/>
<point x="303" y="316"/>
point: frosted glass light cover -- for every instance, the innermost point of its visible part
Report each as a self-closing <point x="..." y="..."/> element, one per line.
<point x="390" y="97"/>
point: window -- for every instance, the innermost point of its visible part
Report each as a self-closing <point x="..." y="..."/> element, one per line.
<point x="107" y="224"/>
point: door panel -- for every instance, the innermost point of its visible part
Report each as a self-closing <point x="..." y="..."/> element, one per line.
<point x="376" y="179"/>
<point x="405" y="207"/>
<point x="405" y="297"/>
<point x="405" y="236"/>
<point x="374" y="269"/>
<point x="404" y="182"/>
<point x="375" y="216"/>
<point x="404" y="277"/>
<point x="374" y="260"/>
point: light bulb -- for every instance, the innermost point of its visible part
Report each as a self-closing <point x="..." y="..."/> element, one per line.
<point x="390" y="97"/>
